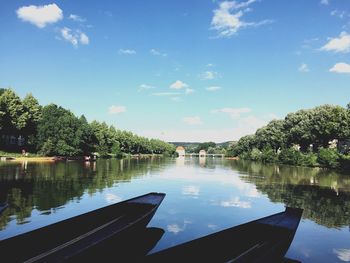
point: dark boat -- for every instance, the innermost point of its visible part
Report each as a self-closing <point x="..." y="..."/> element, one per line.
<point x="3" y="207"/>
<point x="82" y="235"/>
<point x="263" y="240"/>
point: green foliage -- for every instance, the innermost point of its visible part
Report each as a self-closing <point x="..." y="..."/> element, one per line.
<point x="309" y="159"/>
<point x="328" y="158"/>
<point x="255" y="155"/>
<point x="290" y="156"/>
<point x="53" y="130"/>
<point x="312" y="130"/>
<point x="268" y="155"/>
<point x="205" y="146"/>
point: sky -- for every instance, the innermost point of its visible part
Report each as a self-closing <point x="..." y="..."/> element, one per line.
<point x="186" y="70"/>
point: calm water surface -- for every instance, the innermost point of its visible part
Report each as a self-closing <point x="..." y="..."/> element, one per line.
<point x="203" y="196"/>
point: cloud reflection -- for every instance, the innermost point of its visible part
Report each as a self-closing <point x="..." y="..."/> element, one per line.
<point x="112" y="198"/>
<point x="235" y="202"/>
<point x="343" y="254"/>
<point x="176" y="228"/>
<point x="191" y="190"/>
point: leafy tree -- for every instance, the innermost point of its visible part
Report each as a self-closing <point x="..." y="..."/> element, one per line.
<point x="62" y="128"/>
<point x="298" y="127"/>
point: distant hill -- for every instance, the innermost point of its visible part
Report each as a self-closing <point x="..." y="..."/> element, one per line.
<point x="195" y="144"/>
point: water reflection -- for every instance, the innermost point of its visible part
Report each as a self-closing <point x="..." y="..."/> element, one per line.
<point x="47" y="187"/>
<point x="324" y="195"/>
<point x="203" y="195"/>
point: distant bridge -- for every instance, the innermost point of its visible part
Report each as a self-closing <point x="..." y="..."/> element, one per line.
<point x="220" y="155"/>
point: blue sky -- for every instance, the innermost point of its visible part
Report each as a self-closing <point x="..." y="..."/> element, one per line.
<point x="188" y="70"/>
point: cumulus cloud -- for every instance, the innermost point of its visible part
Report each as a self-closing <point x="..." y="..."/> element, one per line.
<point x="75" y="37"/>
<point x="40" y="15"/>
<point x="195" y="120"/>
<point x="338" y="45"/>
<point x="324" y="2"/>
<point x="233" y="112"/>
<point x="76" y="18"/>
<point x="213" y="88"/>
<point x="116" y="109"/>
<point x="303" y="68"/>
<point x="178" y="85"/>
<point x="157" y="53"/>
<point x="227" y="19"/>
<point x="127" y="51"/>
<point x="340" y="68"/>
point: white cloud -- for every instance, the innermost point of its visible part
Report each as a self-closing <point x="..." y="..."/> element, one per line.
<point x="338" y="45"/>
<point x="74" y="37"/>
<point x="209" y="65"/>
<point x="324" y="2"/>
<point x="195" y="120"/>
<point x="157" y="53"/>
<point x="213" y="88"/>
<point x="340" y="68"/>
<point x="189" y="91"/>
<point x="84" y="39"/>
<point x="127" y="51"/>
<point x="303" y="68"/>
<point x="116" y="109"/>
<point x="178" y="85"/>
<point x="339" y="14"/>
<point x="161" y="94"/>
<point x="343" y="254"/>
<point x="227" y="18"/>
<point x="145" y="87"/>
<point x="76" y="18"/>
<point x="235" y="202"/>
<point x="233" y="112"/>
<point x="40" y="15"/>
<point x="207" y="75"/>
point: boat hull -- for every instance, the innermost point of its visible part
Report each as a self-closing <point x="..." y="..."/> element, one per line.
<point x="83" y="234"/>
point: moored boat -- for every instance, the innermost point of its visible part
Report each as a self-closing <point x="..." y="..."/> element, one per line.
<point x="80" y="235"/>
<point x="263" y="240"/>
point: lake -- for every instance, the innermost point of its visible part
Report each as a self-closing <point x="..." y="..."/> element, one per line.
<point x="203" y="195"/>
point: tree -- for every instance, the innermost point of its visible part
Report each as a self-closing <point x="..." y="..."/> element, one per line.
<point x="271" y="136"/>
<point x="298" y="127"/>
<point x="33" y="109"/>
<point x="62" y="128"/>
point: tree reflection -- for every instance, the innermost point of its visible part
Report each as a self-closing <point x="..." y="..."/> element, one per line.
<point x="46" y="186"/>
<point x="324" y="195"/>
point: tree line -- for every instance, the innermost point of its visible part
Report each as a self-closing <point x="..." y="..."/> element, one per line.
<point x="52" y="130"/>
<point x="312" y="137"/>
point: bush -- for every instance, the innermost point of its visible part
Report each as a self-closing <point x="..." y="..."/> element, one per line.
<point x="255" y="155"/>
<point x="290" y="156"/>
<point x="268" y="155"/>
<point x="328" y="158"/>
<point x="309" y="159"/>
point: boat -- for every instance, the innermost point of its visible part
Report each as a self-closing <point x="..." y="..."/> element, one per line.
<point x="3" y="207"/>
<point x="263" y="240"/>
<point x="82" y="235"/>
